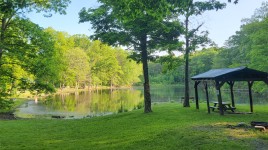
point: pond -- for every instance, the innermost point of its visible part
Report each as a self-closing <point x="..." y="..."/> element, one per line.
<point x="88" y="104"/>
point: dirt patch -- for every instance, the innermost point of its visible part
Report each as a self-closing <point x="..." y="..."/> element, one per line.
<point x="7" y="116"/>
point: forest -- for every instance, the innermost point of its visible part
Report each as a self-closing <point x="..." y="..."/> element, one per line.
<point x="73" y="61"/>
<point x="44" y="60"/>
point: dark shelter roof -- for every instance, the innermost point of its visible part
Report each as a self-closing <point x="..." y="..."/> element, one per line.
<point x="233" y="74"/>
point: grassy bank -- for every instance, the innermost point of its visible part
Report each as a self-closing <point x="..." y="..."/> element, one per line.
<point x="169" y="127"/>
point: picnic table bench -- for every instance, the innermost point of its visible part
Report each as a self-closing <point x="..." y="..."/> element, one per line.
<point x="226" y="106"/>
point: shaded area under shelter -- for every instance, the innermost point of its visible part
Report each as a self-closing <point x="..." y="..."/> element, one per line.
<point x="229" y="76"/>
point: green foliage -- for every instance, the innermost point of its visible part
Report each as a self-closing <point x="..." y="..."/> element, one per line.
<point x="77" y="65"/>
<point x="81" y="41"/>
<point x="80" y="62"/>
<point x="6" y="104"/>
<point x="24" y="57"/>
<point x="62" y="42"/>
<point x="15" y="7"/>
<point x="202" y="61"/>
<point x="24" y="47"/>
<point x="160" y="73"/>
<point x="170" y="62"/>
<point x="130" y="69"/>
<point x="111" y="66"/>
<point x="248" y="47"/>
<point x="125" y="22"/>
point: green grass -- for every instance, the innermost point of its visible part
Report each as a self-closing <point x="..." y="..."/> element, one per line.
<point x="169" y="127"/>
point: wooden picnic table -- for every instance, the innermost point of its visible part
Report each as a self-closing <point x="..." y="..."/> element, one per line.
<point x="226" y="106"/>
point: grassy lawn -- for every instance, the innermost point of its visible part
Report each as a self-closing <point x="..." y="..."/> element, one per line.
<point x="169" y="127"/>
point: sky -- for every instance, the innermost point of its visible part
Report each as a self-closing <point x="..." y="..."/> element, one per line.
<point x="221" y="24"/>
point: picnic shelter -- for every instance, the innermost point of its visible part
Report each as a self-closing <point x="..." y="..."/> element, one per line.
<point x="229" y="76"/>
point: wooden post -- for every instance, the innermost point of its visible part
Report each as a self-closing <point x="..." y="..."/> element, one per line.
<point x="231" y="84"/>
<point x="206" y="88"/>
<point x="196" y="94"/>
<point x="218" y="88"/>
<point x="250" y="83"/>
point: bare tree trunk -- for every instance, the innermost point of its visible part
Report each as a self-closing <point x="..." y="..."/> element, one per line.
<point x="147" y="95"/>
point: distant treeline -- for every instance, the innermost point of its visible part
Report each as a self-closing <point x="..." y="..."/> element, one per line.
<point x="82" y="62"/>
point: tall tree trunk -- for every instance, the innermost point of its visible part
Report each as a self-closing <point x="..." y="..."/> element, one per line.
<point x="147" y="95"/>
<point x="186" y="102"/>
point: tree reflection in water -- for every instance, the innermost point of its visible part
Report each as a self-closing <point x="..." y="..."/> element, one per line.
<point x="101" y="102"/>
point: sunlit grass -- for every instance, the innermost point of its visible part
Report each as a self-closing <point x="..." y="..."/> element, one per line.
<point x="170" y="126"/>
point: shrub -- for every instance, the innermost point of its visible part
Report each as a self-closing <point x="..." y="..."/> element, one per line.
<point x="6" y="104"/>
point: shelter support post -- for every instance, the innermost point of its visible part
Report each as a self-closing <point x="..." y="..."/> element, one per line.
<point x="231" y="84"/>
<point x="196" y="94"/>
<point x="250" y="83"/>
<point x="218" y="88"/>
<point x="206" y="88"/>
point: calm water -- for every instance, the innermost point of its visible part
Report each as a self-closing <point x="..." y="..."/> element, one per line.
<point x="104" y="102"/>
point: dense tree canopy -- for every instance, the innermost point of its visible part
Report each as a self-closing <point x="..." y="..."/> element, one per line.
<point x="81" y="62"/>
<point x="23" y="45"/>
<point x="23" y="53"/>
<point x="13" y="11"/>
